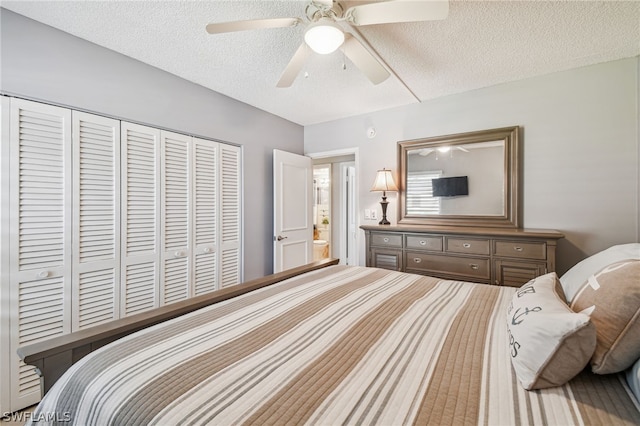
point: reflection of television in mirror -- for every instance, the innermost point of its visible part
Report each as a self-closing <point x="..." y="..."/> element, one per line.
<point x="450" y="186"/>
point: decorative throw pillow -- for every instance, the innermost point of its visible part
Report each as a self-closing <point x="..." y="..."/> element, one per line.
<point x="549" y="343"/>
<point x="615" y="293"/>
<point x="573" y="280"/>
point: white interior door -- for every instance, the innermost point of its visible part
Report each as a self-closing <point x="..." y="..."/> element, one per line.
<point x="292" y="210"/>
<point x="175" y="218"/>
<point x="96" y="220"/>
<point x="39" y="236"/>
<point x="205" y="216"/>
<point x="230" y="215"/>
<point x="140" y="218"/>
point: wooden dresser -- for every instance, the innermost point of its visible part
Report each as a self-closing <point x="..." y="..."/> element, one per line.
<point x="488" y="255"/>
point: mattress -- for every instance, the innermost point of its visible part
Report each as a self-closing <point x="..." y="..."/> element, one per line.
<point x="341" y="345"/>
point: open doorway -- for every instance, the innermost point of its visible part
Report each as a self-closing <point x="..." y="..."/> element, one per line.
<point x="334" y="208"/>
<point x="322" y="216"/>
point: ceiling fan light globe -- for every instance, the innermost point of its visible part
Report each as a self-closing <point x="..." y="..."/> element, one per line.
<point x="324" y="38"/>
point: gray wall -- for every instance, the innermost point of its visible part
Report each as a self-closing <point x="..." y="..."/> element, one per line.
<point x="41" y="63"/>
<point x="580" y="142"/>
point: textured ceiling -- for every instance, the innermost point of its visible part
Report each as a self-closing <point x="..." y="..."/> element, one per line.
<point x="481" y="43"/>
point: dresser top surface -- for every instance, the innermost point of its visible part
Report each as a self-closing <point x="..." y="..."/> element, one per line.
<point x="467" y="230"/>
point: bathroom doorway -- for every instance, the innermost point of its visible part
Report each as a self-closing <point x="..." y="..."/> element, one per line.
<point x="334" y="208"/>
<point x="322" y="216"/>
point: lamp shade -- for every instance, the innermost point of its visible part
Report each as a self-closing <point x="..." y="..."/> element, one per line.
<point x="324" y="37"/>
<point x="384" y="181"/>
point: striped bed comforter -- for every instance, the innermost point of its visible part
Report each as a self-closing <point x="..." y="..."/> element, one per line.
<point x="341" y="345"/>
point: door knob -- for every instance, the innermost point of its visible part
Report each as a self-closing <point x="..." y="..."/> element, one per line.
<point x="280" y="238"/>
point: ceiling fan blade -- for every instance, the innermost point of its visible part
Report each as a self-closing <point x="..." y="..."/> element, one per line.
<point x="364" y="60"/>
<point x="397" y="11"/>
<point x="295" y="65"/>
<point x="252" y="24"/>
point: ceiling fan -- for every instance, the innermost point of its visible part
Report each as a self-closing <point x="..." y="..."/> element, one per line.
<point x="325" y="35"/>
<point x="442" y="149"/>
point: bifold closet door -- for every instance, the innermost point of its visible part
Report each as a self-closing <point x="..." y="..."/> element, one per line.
<point x="106" y="219"/>
<point x="96" y="220"/>
<point x="175" y="266"/>
<point x="40" y="235"/>
<point x="230" y="215"/>
<point x="205" y="216"/>
<point x="140" y="218"/>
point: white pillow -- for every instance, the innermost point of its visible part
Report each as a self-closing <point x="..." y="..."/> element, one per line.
<point x="573" y="280"/>
<point x="633" y="378"/>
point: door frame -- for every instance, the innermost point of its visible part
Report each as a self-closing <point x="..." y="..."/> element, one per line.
<point x="348" y="251"/>
<point x="338" y="153"/>
<point x="5" y="249"/>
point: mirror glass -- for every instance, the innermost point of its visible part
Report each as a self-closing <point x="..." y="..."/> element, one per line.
<point x="466" y="179"/>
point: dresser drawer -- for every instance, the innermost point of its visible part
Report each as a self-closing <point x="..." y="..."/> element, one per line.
<point x="467" y="245"/>
<point x="463" y="267"/>
<point x="386" y="240"/>
<point x="424" y="242"/>
<point x="527" y="250"/>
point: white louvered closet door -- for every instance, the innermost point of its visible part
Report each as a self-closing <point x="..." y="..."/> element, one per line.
<point x="230" y="215"/>
<point x="40" y="234"/>
<point x="96" y="221"/>
<point x="175" y="270"/>
<point x="205" y="214"/>
<point x="140" y="218"/>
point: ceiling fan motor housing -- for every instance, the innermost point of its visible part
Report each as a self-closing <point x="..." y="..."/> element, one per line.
<point x="317" y="10"/>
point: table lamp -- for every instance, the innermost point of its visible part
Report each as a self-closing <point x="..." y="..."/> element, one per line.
<point x="384" y="182"/>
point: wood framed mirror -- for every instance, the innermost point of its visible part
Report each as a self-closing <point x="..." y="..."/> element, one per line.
<point x="465" y="179"/>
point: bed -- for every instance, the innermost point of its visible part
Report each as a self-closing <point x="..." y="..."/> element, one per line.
<point x="331" y="345"/>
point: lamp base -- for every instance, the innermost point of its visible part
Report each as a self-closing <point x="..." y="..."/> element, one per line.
<point x="384" y="203"/>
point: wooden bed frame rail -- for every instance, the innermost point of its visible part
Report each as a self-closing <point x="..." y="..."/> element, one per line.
<point x="54" y="356"/>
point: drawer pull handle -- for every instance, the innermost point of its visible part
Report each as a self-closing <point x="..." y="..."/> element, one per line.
<point x="178" y="253"/>
<point x="385" y="239"/>
<point x="206" y="250"/>
<point x="474" y="266"/>
<point x="516" y="248"/>
<point x="423" y="243"/>
<point x="42" y="274"/>
<point x="466" y="245"/>
<point x="417" y="260"/>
